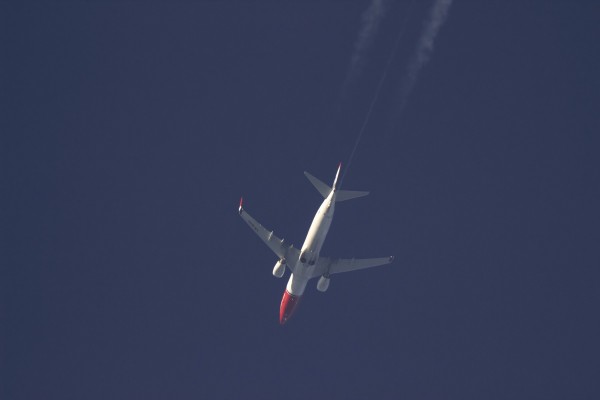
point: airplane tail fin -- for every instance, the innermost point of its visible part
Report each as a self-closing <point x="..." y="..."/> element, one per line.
<point x="341" y="195"/>
<point x="337" y="174"/>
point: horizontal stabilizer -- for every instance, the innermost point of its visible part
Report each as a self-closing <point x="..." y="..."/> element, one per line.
<point x="321" y="187"/>
<point x="343" y="195"/>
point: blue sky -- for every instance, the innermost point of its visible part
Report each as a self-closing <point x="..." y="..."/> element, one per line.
<point x="130" y="131"/>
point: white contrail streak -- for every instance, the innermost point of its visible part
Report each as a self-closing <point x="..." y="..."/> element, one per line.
<point x="377" y="91"/>
<point x="439" y="12"/>
<point x="371" y="19"/>
<point x="374" y="100"/>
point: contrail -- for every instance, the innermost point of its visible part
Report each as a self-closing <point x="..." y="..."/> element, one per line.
<point x="439" y="12"/>
<point x="371" y="19"/>
<point x="374" y="100"/>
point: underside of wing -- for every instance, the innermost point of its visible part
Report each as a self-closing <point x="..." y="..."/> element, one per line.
<point x="283" y="250"/>
<point x="329" y="266"/>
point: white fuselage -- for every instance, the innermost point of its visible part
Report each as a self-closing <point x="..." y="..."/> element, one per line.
<point x="309" y="254"/>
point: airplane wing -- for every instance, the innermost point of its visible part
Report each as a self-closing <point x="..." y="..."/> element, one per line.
<point x="280" y="247"/>
<point x="329" y="266"/>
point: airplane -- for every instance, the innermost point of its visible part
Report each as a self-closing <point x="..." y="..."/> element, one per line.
<point x="307" y="263"/>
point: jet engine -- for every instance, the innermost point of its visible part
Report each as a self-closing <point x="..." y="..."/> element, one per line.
<point x="279" y="268"/>
<point x="323" y="283"/>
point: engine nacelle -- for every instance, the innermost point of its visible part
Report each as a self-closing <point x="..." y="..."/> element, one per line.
<point x="279" y="269"/>
<point x="323" y="283"/>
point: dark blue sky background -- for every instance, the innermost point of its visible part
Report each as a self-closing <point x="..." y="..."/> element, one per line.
<point x="129" y="132"/>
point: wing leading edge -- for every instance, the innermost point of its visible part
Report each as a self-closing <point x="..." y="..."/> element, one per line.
<point x="280" y="247"/>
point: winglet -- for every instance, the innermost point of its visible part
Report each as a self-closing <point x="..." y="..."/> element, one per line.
<point x="241" y="202"/>
<point x="337" y="174"/>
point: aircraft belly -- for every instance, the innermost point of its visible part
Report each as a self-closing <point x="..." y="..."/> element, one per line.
<point x="297" y="282"/>
<point x="316" y="237"/>
<point x="311" y="248"/>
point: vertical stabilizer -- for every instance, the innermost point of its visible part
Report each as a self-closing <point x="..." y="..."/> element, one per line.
<point x="337" y="174"/>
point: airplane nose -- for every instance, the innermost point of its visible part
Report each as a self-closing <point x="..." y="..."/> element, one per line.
<point x="288" y="305"/>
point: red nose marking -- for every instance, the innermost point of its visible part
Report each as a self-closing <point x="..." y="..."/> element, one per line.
<point x="289" y="302"/>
